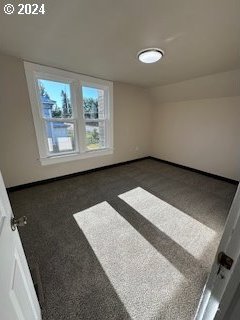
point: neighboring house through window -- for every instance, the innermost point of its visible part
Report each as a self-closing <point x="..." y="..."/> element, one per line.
<point x="73" y="114"/>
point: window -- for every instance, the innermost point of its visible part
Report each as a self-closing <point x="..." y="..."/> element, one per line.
<point x="73" y="114"/>
<point x="94" y="116"/>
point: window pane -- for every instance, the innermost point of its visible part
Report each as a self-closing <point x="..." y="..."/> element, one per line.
<point x="60" y="136"/>
<point x="55" y="99"/>
<point x="95" y="135"/>
<point x="93" y="103"/>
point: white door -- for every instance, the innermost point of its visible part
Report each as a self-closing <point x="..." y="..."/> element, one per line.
<point x="18" y="300"/>
<point x="221" y="278"/>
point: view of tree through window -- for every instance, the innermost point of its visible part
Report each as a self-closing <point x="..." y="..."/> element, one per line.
<point x="55" y="97"/>
<point x="93" y="108"/>
<point x="72" y="114"/>
<point x="90" y="106"/>
<point x="56" y="103"/>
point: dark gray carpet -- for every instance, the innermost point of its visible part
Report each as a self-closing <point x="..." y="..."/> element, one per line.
<point x="76" y="283"/>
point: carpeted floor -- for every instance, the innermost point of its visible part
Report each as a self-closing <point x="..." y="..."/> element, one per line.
<point x="131" y="242"/>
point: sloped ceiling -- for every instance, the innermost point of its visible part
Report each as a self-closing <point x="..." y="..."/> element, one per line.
<point x="102" y="37"/>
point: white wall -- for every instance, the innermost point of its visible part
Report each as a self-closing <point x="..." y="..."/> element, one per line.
<point x="196" y="123"/>
<point x="19" y="153"/>
<point x="193" y="123"/>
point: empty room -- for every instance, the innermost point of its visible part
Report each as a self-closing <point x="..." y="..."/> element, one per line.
<point x="120" y="160"/>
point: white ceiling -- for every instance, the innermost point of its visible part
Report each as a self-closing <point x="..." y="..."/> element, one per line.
<point x="102" y="37"/>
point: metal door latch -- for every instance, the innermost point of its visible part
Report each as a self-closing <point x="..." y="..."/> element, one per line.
<point x="20" y="222"/>
<point x="225" y="261"/>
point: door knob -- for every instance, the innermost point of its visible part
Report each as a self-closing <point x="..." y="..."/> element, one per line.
<point x="20" y="222"/>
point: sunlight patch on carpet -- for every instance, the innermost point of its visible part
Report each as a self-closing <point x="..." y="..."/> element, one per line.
<point x="189" y="233"/>
<point x="144" y="280"/>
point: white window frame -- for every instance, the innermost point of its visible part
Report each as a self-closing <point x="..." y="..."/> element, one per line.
<point x="35" y="72"/>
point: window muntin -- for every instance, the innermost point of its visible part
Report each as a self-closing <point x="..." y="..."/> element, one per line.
<point x="72" y="114"/>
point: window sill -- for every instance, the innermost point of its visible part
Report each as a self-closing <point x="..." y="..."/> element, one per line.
<point x="75" y="156"/>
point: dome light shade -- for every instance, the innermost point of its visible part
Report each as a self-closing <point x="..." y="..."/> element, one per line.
<point x="150" y="55"/>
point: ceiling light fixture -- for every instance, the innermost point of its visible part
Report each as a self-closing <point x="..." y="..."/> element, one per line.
<point x="150" y="55"/>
